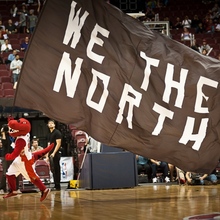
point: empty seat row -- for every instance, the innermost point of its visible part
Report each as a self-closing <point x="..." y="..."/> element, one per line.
<point x="6" y="85"/>
<point x="5" y="71"/>
<point x="7" y="93"/>
<point x="5" y="79"/>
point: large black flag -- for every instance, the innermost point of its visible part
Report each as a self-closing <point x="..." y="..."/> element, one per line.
<point x="91" y="65"/>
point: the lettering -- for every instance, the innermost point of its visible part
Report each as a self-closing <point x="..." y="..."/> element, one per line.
<point x="130" y="97"/>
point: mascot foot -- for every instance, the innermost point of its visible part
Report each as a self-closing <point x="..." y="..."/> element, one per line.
<point x="44" y="194"/>
<point x="11" y="194"/>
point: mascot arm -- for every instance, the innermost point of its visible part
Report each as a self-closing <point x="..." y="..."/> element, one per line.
<point x="19" y="146"/>
<point x="38" y="154"/>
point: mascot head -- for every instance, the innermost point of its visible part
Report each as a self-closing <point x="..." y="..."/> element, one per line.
<point x="19" y="127"/>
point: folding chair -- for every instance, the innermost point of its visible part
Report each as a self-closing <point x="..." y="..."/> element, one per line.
<point x="43" y="171"/>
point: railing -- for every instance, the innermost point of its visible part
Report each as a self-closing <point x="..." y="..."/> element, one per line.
<point x="161" y="26"/>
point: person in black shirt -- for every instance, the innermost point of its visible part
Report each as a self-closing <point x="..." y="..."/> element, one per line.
<point x="54" y="155"/>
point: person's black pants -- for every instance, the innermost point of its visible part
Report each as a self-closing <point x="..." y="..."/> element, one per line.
<point x="55" y="169"/>
<point x="146" y="169"/>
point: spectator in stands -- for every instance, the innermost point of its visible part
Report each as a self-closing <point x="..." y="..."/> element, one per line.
<point x="6" y="47"/>
<point x="212" y="177"/>
<point x="15" y="66"/>
<point x="151" y="4"/>
<point x="200" y="28"/>
<point x="149" y="13"/>
<point x="214" y="16"/>
<point x="217" y="26"/>
<point x="13" y="10"/>
<point x="186" y="35"/>
<point x="195" y="46"/>
<point x="2" y="26"/>
<point x="210" y="27"/>
<point x="204" y="52"/>
<point x="186" y="22"/>
<point x="159" y="4"/>
<point x="155" y="164"/>
<point x="11" y="57"/>
<point x="205" y="21"/>
<point x="10" y="28"/>
<point x="3" y="35"/>
<point x="22" y="24"/>
<point x="25" y="44"/>
<point x="204" y="46"/>
<point x="170" y="22"/>
<point x="198" y="178"/>
<point x="178" y="24"/>
<point x="216" y="8"/>
<point x="24" y="9"/>
<point x="143" y="166"/>
<point x="32" y="21"/>
<point x="195" y="178"/>
<point x="195" y="22"/>
<point x="35" y="146"/>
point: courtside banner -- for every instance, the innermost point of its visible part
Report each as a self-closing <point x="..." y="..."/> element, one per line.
<point x="91" y="65"/>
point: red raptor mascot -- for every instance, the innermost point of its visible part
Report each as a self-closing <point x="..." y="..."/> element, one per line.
<point x="23" y="159"/>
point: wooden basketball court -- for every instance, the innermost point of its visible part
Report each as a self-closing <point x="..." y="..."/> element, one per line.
<point x="147" y="201"/>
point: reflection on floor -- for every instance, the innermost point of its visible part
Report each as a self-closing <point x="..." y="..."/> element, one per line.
<point x="160" y="201"/>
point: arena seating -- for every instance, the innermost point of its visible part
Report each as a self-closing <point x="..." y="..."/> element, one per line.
<point x="190" y="8"/>
<point x="6" y="86"/>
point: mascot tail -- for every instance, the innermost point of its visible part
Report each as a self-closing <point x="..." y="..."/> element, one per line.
<point x="38" y="154"/>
